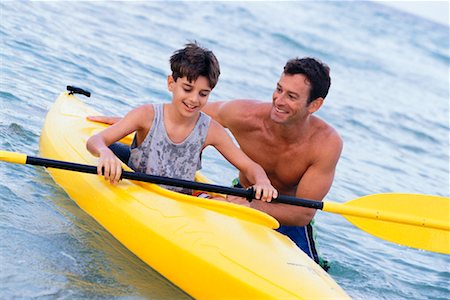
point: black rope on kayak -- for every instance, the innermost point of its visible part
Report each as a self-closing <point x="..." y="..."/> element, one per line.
<point x="76" y="90"/>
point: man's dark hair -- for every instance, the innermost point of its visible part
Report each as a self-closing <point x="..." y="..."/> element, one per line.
<point x="194" y="61"/>
<point x="317" y="73"/>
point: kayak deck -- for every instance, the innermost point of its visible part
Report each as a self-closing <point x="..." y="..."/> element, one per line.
<point x="208" y="248"/>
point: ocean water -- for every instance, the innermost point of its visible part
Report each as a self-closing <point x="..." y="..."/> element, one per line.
<point x="389" y="100"/>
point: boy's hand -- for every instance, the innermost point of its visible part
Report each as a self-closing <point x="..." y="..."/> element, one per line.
<point x="109" y="166"/>
<point x="265" y="192"/>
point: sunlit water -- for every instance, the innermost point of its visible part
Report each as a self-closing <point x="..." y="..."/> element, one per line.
<point x="389" y="100"/>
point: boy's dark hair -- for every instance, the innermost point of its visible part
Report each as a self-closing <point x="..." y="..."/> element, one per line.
<point x="194" y="61"/>
<point x="315" y="71"/>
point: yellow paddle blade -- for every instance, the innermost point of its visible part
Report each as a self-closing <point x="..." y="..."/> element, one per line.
<point x="419" y="221"/>
<point x="13" y="157"/>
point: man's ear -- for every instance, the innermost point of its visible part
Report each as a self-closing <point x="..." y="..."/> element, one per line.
<point x="170" y="83"/>
<point x="315" y="105"/>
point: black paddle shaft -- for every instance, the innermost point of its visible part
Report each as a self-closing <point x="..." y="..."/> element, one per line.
<point x="249" y="193"/>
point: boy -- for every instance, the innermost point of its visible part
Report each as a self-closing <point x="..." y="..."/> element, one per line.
<point x="169" y="138"/>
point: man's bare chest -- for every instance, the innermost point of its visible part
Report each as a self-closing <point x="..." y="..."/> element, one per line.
<point x="285" y="165"/>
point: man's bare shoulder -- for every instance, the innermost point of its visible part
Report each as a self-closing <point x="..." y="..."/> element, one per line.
<point x="326" y="138"/>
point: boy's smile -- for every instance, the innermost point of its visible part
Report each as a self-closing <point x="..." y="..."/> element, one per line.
<point x="191" y="95"/>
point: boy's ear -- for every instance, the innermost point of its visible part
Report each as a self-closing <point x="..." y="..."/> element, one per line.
<point x="170" y="83"/>
<point x="315" y="105"/>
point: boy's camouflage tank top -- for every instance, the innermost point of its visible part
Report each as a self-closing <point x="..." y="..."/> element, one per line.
<point x="158" y="155"/>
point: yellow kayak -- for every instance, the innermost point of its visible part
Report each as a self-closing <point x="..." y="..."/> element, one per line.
<point x="208" y="248"/>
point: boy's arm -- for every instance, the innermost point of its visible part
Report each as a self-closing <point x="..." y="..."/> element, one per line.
<point x="219" y="138"/>
<point x="98" y="143"/>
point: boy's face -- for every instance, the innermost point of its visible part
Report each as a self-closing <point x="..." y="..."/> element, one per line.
<point x="189" y="97"/>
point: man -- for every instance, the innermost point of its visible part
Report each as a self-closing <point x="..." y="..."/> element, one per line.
<point x="298" y="151"/>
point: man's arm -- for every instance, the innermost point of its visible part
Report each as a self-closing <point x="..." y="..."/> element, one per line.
<point x="229" y="113"/>
<point x="221" y="111"/>
<point x="214" y="109"/>
<point x="314" y="185"/>
<point x="104" y="119"/>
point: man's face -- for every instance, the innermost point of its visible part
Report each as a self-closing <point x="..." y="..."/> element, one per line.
<point x="290" y="98"/>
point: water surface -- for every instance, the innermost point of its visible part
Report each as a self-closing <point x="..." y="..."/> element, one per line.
<point x="389" y="100"/>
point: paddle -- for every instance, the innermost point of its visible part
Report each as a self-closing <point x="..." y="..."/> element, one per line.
<point x="419" y="221"/>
